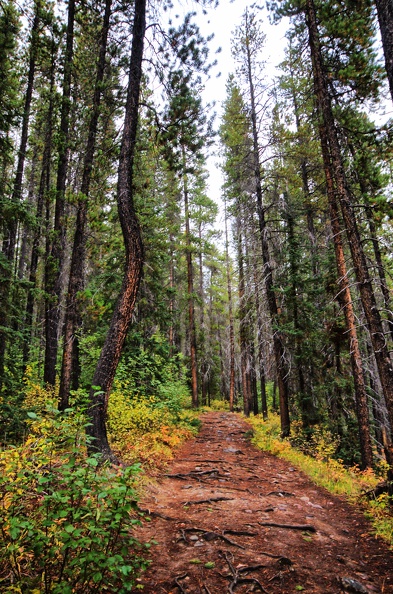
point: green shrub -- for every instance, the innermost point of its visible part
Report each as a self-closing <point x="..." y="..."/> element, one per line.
<point x="65" y="521"/>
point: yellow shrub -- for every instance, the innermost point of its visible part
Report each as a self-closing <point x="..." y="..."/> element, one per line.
<point x="219" y="405"/>
<point x="36" y="396"/>
<point x="136" y="416"/>
<point x="328" y="472"/>
<point x="141" y="430"/>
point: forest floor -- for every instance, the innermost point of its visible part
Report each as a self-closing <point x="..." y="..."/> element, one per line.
<point x="228" y="517"/>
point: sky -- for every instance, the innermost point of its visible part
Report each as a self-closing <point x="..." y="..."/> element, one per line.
<point x="222" y="21"/>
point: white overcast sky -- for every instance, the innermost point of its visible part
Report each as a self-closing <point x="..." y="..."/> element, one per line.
<point x="222" y="21"/>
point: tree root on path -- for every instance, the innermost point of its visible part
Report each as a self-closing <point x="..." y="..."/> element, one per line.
<point x="196" y="474"/>
<point x="237" y="579"/>
<point x="305" y="527"/>
<point x="211" y="535"/>
<point x="281" y="559"/>
<point x="176" y="580"/>
<point x="210" y="500"/>
<point x="240" y="532"/>
<point x="155" y="514"/>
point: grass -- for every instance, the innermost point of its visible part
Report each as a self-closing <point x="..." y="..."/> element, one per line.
<point x="329" y="473"/>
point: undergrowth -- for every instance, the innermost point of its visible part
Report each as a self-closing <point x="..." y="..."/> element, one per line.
<point x="144" y="429"/>
<point x="66" y="520"/>
<point x="327" y="472"/>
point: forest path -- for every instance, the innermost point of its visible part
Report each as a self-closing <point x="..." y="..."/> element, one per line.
<point x="210" y="513"/>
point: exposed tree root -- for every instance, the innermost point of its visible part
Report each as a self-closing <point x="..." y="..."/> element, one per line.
<point x="210" y="535"/>
<point x="210" y="500"/>
<point x="304" y="527"/>
<point x="240" y="533"/>
<point x="176" y="580"/>
<point x="281" y="559"/>
<point x="195" y="474"/>
<point x="155" y="514"/>
<point x="236" y="574"/>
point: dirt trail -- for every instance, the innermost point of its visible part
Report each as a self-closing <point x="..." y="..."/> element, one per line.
<point x="210" y="515"/>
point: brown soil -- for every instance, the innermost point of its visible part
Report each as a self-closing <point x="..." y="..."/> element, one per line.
<point x="210" y="515"/>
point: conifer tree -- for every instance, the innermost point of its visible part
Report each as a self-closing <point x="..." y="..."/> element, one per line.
<point x="121" y="318"/>
<point x="249" y="41"/>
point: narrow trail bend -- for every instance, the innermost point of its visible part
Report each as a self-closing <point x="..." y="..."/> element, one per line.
<point x="228" y="518"/>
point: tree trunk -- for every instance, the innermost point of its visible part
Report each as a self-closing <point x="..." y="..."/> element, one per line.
<point x="385" y="19"/>
<point x="202" y="329"/>
<point x="231" y="322"/>
<point x="190" y="292"/>
<point x="121" y="318"/>
<point x="171" y="332"/>
<point x="54" y="264"/>
<point x="336" y="184"/>
<point x="70" y="366"/>
<point x="243" y="322"/>
<point x="354" y="348"/>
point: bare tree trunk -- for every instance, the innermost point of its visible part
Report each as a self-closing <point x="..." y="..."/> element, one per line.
<point x="243" y="333"/>
<point x="122" y="315"/>
<point x="202" y="329"/>
<point x="190" y="292"/>
<point x="70" y="365"/>
<point x="231" y="323"/>
<point x="171" y="332"/>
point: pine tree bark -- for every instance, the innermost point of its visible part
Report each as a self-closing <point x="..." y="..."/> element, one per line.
<point x="70" y="364"/>
<point x="385" y="19"/>
<point x="122" y="315"/>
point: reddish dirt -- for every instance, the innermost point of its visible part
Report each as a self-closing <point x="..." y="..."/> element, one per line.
<point x="210" y="513"/>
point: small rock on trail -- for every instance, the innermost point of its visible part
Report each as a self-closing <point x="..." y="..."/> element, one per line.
<point x="227" y="517"/>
